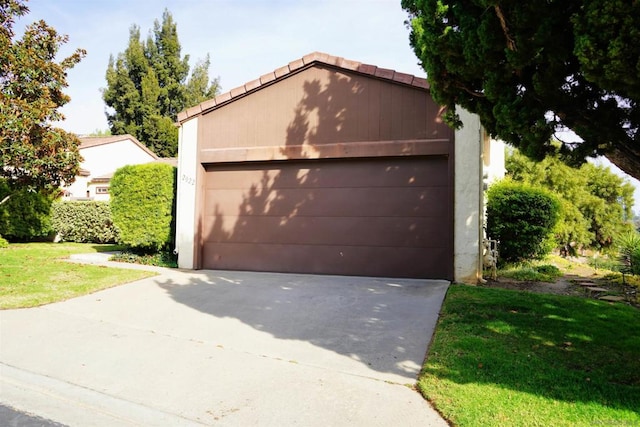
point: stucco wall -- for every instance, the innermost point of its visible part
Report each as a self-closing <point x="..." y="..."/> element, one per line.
<point x="467" y="203"/>
<point x="186" y="197"/>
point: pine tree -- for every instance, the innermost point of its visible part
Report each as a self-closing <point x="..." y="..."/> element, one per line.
<point x="147" y="87"/>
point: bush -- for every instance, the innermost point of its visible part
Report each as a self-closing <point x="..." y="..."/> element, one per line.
<point x="522" y="219"/>
<point x="25" y="216"/>
<point x="629" y="252"/>
<point x="143" y="205"/>
<point x="3" y="243"/>
<point x="83" y="222"/>
<point x="163" y="258"/>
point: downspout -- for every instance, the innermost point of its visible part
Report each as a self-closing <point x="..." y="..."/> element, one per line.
<point x="481" y="207"/>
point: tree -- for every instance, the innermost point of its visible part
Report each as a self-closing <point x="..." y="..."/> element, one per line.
<point x="595" y="203"/>
<point x="34" y="155"/>
<point x="147" y="87"/>
<point x="531" y="68"/>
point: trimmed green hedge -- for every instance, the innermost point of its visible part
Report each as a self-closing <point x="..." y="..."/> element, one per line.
<point x="143" y="205"/>
<point x="522" y="218"/>
<point x="83" y="222"/>
<point x="25" y="216"/>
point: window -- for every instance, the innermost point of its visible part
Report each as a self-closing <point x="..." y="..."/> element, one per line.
<point x="102" y="190"/>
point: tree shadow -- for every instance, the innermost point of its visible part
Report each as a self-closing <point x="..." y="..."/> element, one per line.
<point x="294" y="213"/>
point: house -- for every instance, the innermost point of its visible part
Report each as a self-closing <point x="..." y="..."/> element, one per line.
<point x="102" y="156"/>
<point x="331" y="166"/>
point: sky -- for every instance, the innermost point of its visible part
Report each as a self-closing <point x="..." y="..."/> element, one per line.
<point x="244" y="39"/>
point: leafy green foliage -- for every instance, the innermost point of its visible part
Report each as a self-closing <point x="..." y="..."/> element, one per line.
<point x="3" y="243"/>
<point x="25" y="215"/>
<point x="143" y="205"/>
<point x="522" y="219"/>
<point x="34" y="154"/>
<point x="83" y="222"/>
<point x="530" y="68"/>
<point x="164" y="258"/>
<point x="629" y="252"/>
<point x="147" y="87"/>
<point x="595" y="203"/>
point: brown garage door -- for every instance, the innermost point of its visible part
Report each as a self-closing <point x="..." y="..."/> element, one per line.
<point x="371" y="217"/>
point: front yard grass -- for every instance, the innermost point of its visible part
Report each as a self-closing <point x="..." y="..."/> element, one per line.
<point x="33" y="274"/>
<point x="509" y="358"/>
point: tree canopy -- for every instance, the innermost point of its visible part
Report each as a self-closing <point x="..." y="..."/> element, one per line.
<point x="595" y="203"/>
<point x="532" y="68"/>
<point x="149" y="84"/>
<point x="34" y="155"/>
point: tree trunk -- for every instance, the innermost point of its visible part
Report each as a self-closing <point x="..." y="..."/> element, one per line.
<point x="627" y="159"/>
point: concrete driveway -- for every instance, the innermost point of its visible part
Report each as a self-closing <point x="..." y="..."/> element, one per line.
<point x="225" y="348"/>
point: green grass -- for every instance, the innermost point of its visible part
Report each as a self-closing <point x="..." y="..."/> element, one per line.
<point x="530" y="272"/>
<point x="509" y="358"/>
<point x="33" y="274"/>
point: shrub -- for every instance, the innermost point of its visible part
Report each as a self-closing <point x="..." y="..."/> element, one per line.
<point x="143" y="205"/>
<point x="3" y="243"/>
<point x="25" y="216"/>
<point x="522" y="218"/>
<point x="629" y="252"/>
<point x="83" y="222"/>
<point x="163" y="258"/>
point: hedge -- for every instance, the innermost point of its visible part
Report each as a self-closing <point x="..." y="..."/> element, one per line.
<point x="522" y="218"/>
<point x="25" y="216"/>
<point x="83" y="222"/>
<point x="143" y="205"/>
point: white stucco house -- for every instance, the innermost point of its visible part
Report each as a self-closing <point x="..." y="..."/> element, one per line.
<point x="102" y="156"/>
<point x="332" y="166"/>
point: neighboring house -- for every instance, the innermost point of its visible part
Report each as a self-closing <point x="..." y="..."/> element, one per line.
<point x="331" y="166"/>
<point x="102" y="156"/>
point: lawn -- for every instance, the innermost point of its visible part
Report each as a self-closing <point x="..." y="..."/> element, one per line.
<point x="509" y="358"/>
<point x="33" y="274"/>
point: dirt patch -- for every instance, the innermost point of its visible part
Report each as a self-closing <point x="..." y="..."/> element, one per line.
<point x="580" y="280"/>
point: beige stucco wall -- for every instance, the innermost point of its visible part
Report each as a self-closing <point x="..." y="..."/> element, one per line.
<point x="105" y="159"/>
<point x="467" y="199"/>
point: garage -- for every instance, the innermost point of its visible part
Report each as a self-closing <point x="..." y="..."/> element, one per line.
<point x="329" y="166"/>
<point x="367" y="217"/>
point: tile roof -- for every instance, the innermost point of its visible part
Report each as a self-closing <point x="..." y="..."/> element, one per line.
<point x="94" y="141"/>
<point x="297" y="65"/>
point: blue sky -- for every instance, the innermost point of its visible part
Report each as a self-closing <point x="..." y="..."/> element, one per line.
<point x="244" y="38"/>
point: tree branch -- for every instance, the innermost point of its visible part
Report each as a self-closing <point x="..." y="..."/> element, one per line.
<point x="511" y="44"/>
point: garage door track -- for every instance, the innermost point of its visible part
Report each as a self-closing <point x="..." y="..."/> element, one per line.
<point x="225" y="348"/>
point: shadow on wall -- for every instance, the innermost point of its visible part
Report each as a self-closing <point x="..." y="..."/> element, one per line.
<point x="381" y="325"/>
<point x="373" y="216"/>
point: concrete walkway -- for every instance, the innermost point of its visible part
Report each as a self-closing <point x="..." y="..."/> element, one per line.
<point x="225" y="348"/>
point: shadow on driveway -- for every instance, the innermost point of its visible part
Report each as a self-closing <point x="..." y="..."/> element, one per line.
<point x="384" y="325"/>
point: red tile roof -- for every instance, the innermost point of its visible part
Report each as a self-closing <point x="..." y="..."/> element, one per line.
<point x="294" y="66"/>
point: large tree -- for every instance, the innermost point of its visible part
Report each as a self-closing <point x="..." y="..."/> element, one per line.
<point x="595" y="203"/>
<point x="34" y="154"/>
<point x="531" y="68"/>
<point x="149" y="84"/>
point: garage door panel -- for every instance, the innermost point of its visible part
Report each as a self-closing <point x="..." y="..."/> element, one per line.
<point x="367" y="261"/>
<point x="380" y="217"/>
<point x="337" y="202"/>
<point x="360" y="173"/>
<point x="382" y="232"/>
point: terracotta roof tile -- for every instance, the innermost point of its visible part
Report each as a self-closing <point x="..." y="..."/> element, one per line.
<point x="253" y="84"/>
<point x="282" y="71"/>
<point x="298" y="64"/>
<point x="240" y="90"/>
